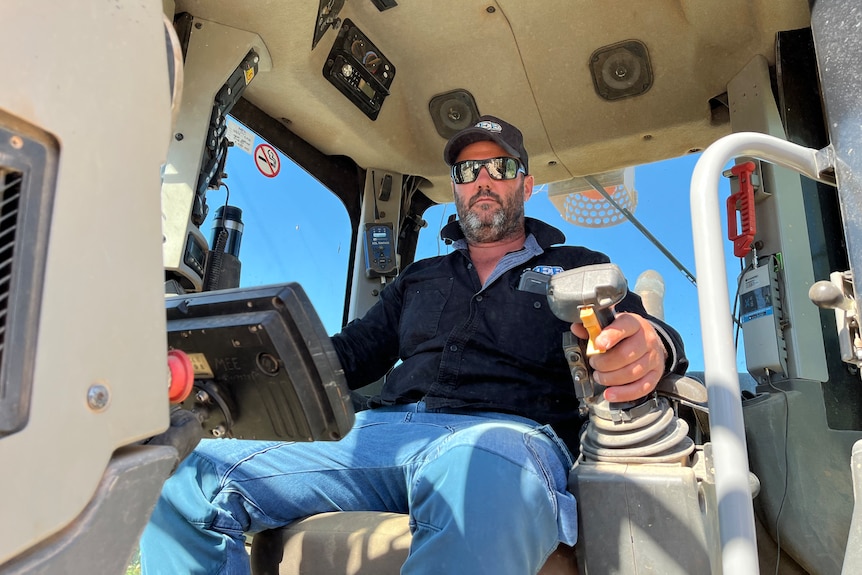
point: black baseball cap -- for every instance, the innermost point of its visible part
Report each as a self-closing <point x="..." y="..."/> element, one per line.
<point x="488" y="128"/>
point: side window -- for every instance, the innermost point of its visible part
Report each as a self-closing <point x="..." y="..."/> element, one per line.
<point x="430" y="243"/>
<point x="294" y="229"/>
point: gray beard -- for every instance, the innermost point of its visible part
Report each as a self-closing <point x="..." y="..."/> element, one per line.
<point x="506" y="221"/>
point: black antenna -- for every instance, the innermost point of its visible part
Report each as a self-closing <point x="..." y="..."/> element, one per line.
<point x="374" y="191"/>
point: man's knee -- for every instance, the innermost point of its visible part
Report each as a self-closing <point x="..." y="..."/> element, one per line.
<point x="483" y="511"/>
<point x="519" y="471"/>
<point x="531" y="448"/>
<point x="187" y="495"/>
<point x="468" y="479"/>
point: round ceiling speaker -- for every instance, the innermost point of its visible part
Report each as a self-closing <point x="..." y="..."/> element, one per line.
<point x="621" y="70"/>
<point x="452" y="112"/>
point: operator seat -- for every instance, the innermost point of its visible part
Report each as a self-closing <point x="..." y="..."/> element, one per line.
<point x="353" y="543"/>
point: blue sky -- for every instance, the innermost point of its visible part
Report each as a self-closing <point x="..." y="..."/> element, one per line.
<point x="296" y="230"/>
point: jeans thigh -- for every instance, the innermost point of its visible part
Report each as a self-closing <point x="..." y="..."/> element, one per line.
<point x="526" y="449"/>
<point x="534" y="447"/>
<point x="255" y="485"/>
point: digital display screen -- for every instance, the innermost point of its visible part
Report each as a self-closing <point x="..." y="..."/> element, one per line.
<point x="366" y="88"/>
<point x="755" y="300"/>
<point x="755" y="304"/>
<point x="195" y="255"/>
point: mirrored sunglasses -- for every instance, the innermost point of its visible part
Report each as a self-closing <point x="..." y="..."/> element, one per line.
<point x="498" y="169"/>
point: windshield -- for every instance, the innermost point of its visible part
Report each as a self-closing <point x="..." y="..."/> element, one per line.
<point x="294" y="229"/>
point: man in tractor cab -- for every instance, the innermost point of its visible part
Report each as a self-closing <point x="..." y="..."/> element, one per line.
<point x="472" y="434"/>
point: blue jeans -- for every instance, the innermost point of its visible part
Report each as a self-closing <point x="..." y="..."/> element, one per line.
<point x="485" y="492"/>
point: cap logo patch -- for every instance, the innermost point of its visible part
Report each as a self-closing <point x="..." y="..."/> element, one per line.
<point x="490" y="126"/>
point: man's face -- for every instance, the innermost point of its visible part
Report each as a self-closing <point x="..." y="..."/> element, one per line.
<point x="490" y="210"/>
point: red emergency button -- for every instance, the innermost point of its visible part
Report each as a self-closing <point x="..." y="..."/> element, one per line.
<point x="182" y="376"/>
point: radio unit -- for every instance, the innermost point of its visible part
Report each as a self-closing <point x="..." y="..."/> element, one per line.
<point x="359" y="70"/>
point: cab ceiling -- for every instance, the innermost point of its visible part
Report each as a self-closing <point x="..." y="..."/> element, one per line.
<point x="527" y="62"/>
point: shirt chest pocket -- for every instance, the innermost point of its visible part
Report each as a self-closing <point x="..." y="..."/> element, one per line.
<point x="529" y="330"/>
<point x="420" y="316"/>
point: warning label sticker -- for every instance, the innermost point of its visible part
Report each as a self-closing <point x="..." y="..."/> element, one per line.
<point x="240" y="136"/>
<point x="201" y="365"/>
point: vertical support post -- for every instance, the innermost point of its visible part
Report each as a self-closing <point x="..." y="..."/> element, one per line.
<point x="837" y="29"/>
<point x="214" y="52"/>
<point x="735" y="511"/>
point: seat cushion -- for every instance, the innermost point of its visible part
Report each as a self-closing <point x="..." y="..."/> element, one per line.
<point x="353" y="543"/>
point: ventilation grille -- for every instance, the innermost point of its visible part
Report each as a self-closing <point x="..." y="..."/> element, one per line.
<point x="28" y="169"/>
<point x="9" y="201"/>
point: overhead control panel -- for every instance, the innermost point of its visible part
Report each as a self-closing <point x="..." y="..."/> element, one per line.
<point x="359" y="70"/>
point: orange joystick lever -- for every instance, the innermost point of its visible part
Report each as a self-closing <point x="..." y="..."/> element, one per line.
<point x="587" y="295"/>
<point x="594" y="328"/>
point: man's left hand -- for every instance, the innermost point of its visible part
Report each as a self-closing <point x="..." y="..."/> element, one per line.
<point x="633" y="360"/>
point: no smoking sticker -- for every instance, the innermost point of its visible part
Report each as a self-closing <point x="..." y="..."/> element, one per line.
<point x="267" y="160"/>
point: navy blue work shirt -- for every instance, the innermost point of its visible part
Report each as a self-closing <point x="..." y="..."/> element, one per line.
<point x="472" y="347"/>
